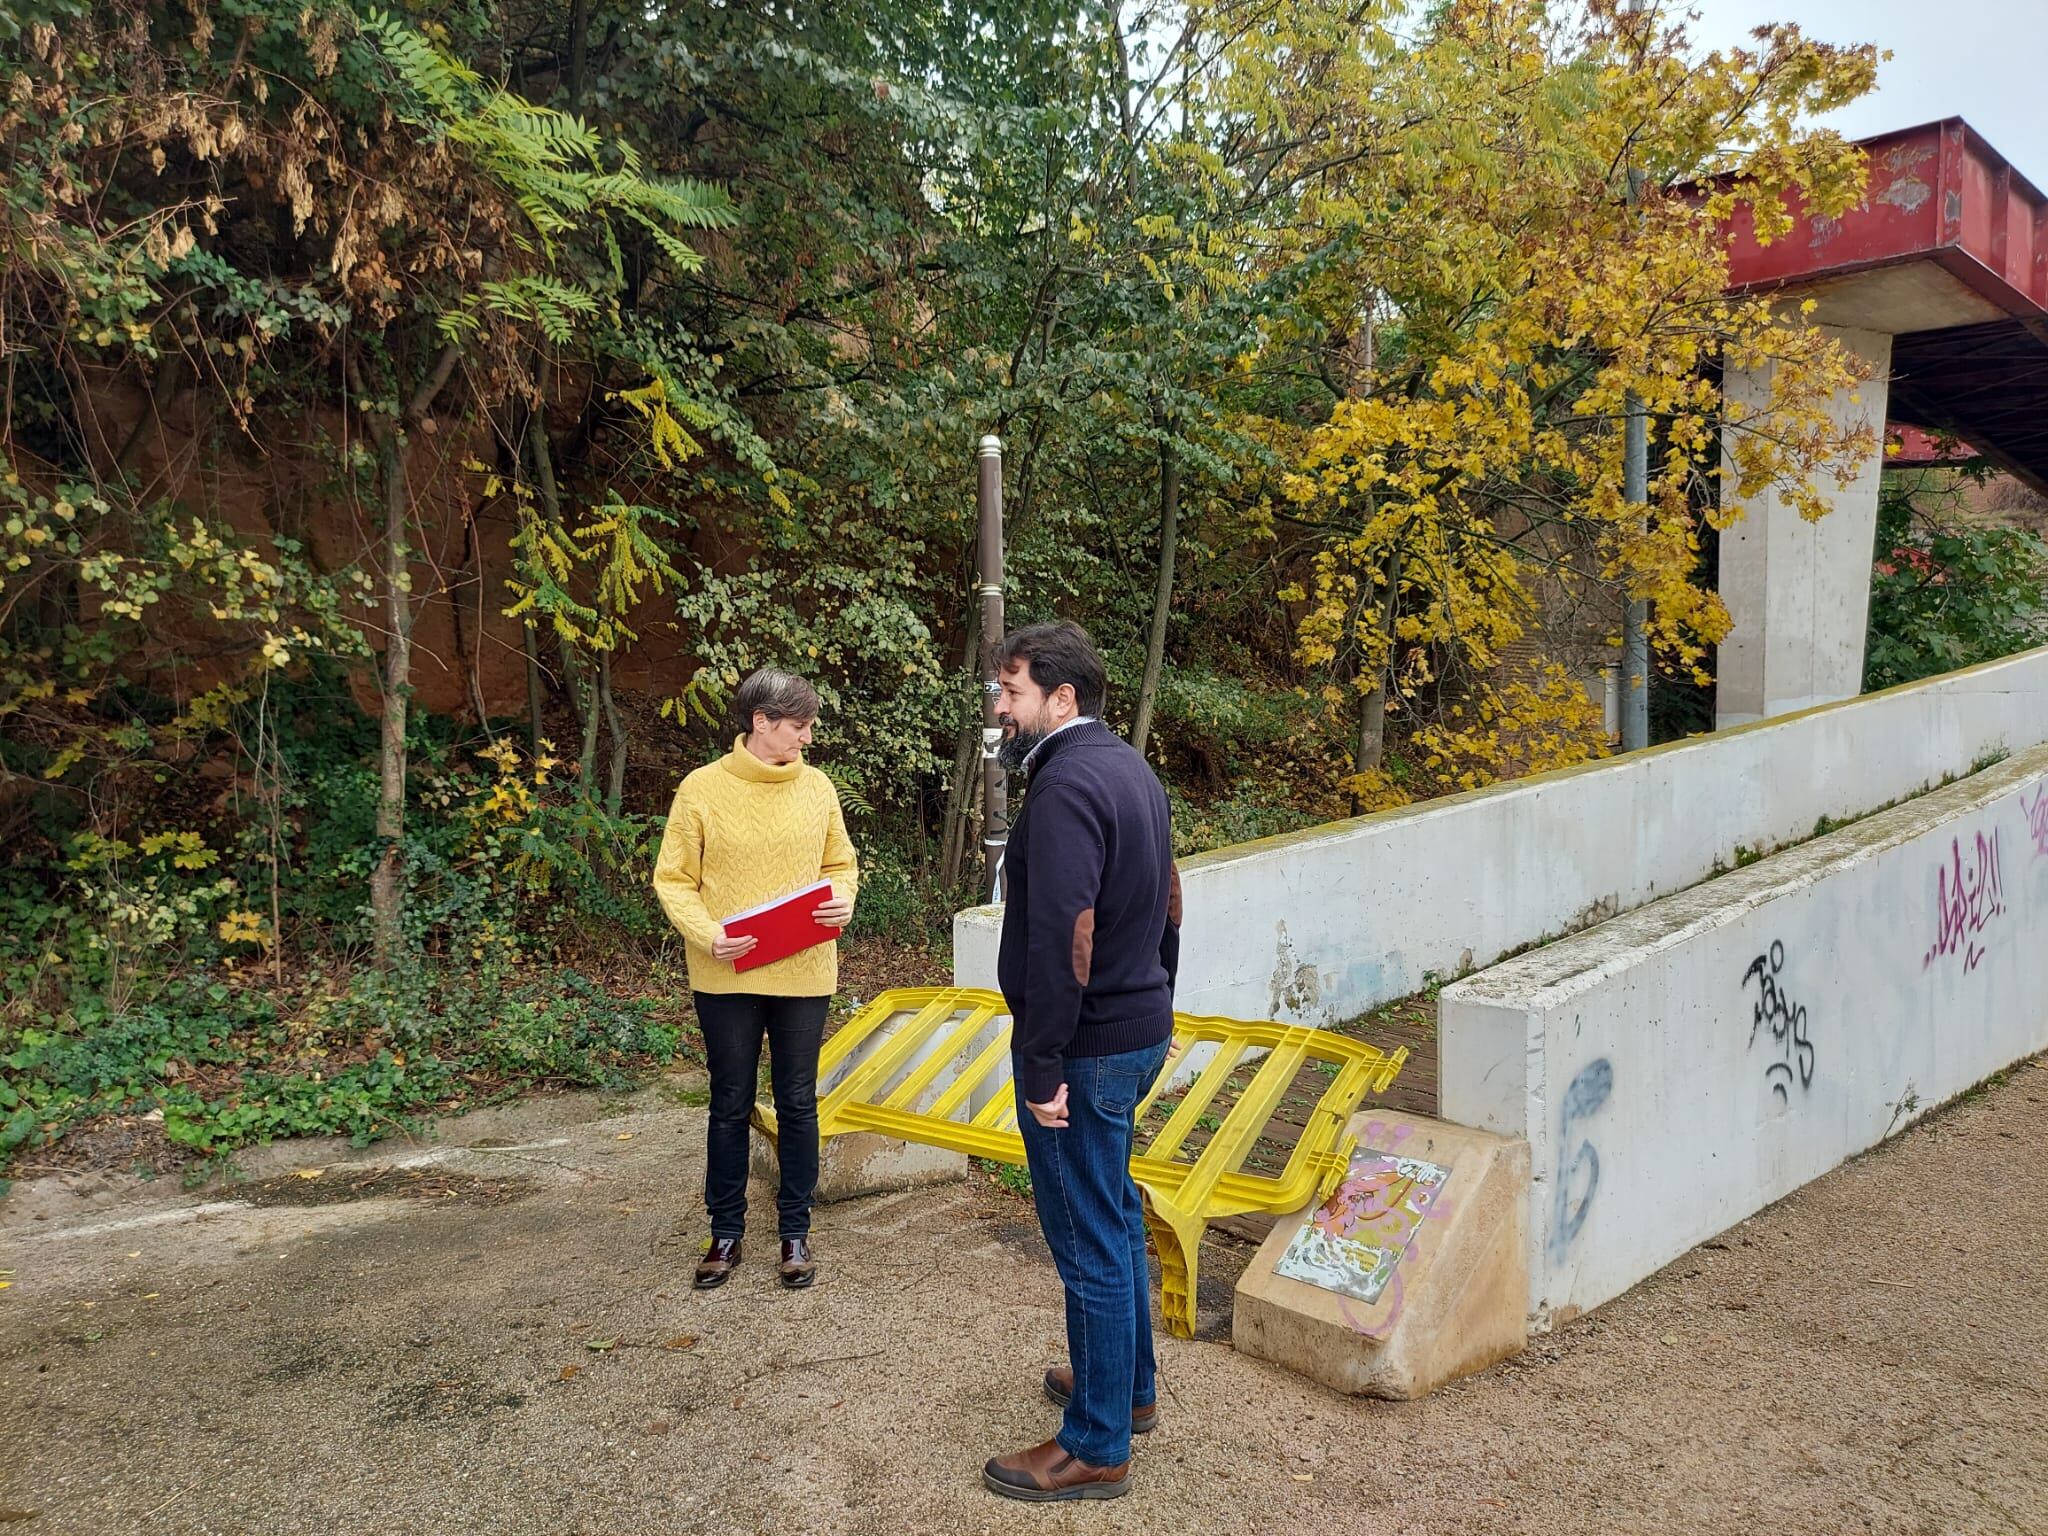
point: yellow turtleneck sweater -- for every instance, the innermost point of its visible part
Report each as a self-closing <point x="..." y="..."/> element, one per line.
<point x="742" y="833"/>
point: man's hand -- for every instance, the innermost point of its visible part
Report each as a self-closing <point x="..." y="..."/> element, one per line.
<point x="1052" y="1115"/>
<point x="725" y="947"/>
<point x="836" y="913"/>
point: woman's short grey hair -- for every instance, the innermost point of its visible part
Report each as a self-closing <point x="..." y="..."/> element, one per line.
<point x="775" y="693"/>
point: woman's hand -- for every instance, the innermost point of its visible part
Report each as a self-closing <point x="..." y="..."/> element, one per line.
<point x="836" y="913"/>
<point x="726" y="948"/>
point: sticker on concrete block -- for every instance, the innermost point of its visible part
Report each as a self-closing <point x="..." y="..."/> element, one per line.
<point x="1355" y="1240"/>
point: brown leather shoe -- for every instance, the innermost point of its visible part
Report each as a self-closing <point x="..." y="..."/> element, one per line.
<point x="716" y="1267"/>
<point x="1059" y="1386"/>
<point x="1046" y="1474"/>
<point x="798" y="1267"/>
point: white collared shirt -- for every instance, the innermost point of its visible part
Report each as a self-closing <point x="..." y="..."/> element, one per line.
<point x="1077" y="720"/>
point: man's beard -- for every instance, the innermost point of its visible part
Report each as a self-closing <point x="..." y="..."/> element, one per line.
<point x="1016" y="747"/>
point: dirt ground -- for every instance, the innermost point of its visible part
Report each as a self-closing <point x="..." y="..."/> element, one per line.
<point x="493" y="1333"/>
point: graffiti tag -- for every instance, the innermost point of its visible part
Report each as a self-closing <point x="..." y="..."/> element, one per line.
<point x="2037" y="821"/>
<point x="1966" y="899"/>
<point x="1786" y="1020"/>
<point x="1588" y="1093"/>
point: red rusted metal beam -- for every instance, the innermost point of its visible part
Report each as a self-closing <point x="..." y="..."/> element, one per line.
<point x="1939" y="193"/>
<point x="1909" y="447"/>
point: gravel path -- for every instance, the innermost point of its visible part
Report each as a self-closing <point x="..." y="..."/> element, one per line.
<point x="494" y="1334"/>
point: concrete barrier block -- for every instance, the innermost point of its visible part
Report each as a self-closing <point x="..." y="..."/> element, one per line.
<point x="1413" y="1273"/>
<point x="1680" y="1068"/>
<point x="860" y="1163"/>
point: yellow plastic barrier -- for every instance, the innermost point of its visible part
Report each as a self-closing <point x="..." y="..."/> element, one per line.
<point x="919" y="1064"/>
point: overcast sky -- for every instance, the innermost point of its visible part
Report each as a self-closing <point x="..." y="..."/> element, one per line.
<point x="1985" y="61"/>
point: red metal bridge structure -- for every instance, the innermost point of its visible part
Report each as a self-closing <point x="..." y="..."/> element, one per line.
<point x="1948" y="254"/>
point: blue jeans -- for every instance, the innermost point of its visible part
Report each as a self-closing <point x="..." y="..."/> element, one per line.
<point x="1094" y="1221"/>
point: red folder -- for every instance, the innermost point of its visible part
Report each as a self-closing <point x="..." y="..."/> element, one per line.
<point x="782" y="926"/>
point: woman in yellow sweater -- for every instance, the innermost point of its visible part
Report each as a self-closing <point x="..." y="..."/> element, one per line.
<point x="743" y="832"/>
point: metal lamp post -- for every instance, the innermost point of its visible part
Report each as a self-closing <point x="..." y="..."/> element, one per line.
<point x="995" y="787"/>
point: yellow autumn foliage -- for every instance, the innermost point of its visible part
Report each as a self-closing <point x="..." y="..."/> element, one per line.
<point x="1528" y="212"/>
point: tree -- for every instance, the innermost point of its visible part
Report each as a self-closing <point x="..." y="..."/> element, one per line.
<point x="190" y="223"/>
<point x="546" y="190"/>
<point x="1478" y="182"/>
<point x="1945" y="592"/>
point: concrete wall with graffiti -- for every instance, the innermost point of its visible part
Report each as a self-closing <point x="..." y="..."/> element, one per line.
<point x="1323" y="925"/>
<point x="1683" y="1066"/>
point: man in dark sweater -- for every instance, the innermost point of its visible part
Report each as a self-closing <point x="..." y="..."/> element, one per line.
<point x="1091" y="942"/>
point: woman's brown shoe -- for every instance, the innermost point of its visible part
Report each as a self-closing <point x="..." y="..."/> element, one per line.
<point x="799" y="1269"/>
<point x="716" y="1267"/>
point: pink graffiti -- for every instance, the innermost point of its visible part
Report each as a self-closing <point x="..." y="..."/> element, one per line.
<point x="1375" y="1200"/>
<point x="1376" y="1197"/>
<point x="2037" y="821"/>
<point x="1966" y="900"/>
<point x="1379" y="1200"/>
<point x="1366" y="1330"/>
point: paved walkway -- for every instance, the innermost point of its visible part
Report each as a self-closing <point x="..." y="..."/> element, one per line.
<point x="493" y="1335"/>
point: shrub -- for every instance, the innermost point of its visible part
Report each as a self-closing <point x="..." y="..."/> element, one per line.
<point x="1945" y="594"/>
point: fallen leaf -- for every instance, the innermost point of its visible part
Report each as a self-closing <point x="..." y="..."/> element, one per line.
<point x="152" y="1296"/>
<point x="569" y="1372"/>
<point x="4" y="1284"/>
<point x="681" y="1341"/>
<point x="1304" y="1477"/>
<point x="309" y="1173"/>
<point x="600" y="1345"/>
<point x="623" y="1136"/>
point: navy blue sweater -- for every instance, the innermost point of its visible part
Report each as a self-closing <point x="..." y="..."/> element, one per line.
<point x="1091" y="921"/>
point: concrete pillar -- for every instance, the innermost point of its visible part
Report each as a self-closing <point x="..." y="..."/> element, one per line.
<point x="1799" y="592"/>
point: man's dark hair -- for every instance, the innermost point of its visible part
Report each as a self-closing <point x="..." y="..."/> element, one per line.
<point x="1056" y="653"/>
<point x="777" y="694"/>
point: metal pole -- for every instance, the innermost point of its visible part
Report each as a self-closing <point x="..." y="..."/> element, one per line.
<point x="1635" y="614"/>
<point x="995" y="785"/>
<point x="1635" y="488"/>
